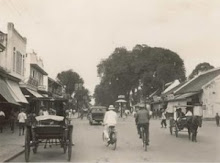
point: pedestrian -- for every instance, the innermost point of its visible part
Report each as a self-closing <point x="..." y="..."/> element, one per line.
<point x="12" y="120"/>
<point x="2" y="120"/>
<point x="217" y="119"/>
<point x="163" y="119"/>
<point x="21" y="120"/>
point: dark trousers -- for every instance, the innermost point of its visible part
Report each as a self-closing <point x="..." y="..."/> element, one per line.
<point x="146" y="127"/>
<point x="21" y="128"/>
<point x="1" y="127"/>
<point x="217" y="122"/>
<point x="12" y="125"/>
<point x="163" y="123"/>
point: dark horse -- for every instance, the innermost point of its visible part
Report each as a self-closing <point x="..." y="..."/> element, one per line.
<point x="192" y="124"/>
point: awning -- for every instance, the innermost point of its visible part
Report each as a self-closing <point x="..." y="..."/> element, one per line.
<point x="16" y="91"/>
<point x="34" y="93"/>
<point x="186" y="95"/>
<point x="6" y="93"/>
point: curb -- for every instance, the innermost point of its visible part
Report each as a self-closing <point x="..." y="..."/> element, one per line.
<point x="14" y="156"/>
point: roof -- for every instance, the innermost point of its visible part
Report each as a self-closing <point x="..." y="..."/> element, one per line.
<point x="173" y="89"/>
<point x="196" y="84"/>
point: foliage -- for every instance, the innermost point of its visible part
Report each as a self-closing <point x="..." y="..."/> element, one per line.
<point x="69" y="78"/>
<point x="124" y="71"/>
<point x="202" y="67"/>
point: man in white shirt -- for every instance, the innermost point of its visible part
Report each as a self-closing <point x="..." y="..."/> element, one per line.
<point x="21" y="120"/>
<point x="110" y="119"/>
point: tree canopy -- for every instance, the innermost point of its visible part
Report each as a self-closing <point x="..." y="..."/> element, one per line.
<point x="69" y="78"/>
<point x="124" y="71"/>
<point x="201" y="67"/>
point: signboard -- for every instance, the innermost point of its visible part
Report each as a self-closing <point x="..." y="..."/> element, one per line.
<point x="121" y="96"/>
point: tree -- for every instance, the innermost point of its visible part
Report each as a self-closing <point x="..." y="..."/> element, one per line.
<point x="202" y="67"/>
<point x="69" y="78"/>
<point x="124" y="70"/>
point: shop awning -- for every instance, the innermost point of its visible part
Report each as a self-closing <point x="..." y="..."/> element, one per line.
<point x="34" y="93"/>
<point x="6" y="93"/>
<point x="16" y="91"/>
<point x="186" y="95"/>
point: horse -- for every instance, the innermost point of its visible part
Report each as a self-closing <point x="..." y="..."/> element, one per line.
<point x="193" y="123"/>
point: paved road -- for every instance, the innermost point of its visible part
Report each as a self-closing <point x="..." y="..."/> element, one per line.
<point x="164" y="147"/>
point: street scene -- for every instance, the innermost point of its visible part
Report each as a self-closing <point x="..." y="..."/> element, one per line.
<point x="89" y="146"/>
<point x="109" y="81"/>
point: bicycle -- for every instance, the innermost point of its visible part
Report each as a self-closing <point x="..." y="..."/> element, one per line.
<point x="112" y="135"/>
<point x="144" y="137"/>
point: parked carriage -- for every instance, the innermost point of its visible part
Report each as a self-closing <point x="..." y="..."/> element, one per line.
<point x="180" y="123"/>
<point x="48" y="129"/>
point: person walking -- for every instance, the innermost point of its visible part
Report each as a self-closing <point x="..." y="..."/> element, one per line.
<point x="142" y="120"/>
<point x="163" y="119"/>
<point x="21" y="120"/>
<point x="2" y="120"/>
<point x="217" y="118"/>
<point x="12" y="120"/>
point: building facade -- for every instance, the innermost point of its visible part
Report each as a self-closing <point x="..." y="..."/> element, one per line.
<point x="12" y="59"/>
<point x="211" y="98"/>
<point x="35" y="83"/>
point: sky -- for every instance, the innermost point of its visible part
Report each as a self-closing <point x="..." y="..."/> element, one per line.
<point x="78" y="34"/>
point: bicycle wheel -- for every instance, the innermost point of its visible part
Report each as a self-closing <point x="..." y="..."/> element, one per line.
<point x="144" y="138"/>
<point x="114" y="140"/>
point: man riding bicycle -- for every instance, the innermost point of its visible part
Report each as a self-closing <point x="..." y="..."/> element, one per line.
<point x="142" y="120"/>
<point x="110" y="119"/>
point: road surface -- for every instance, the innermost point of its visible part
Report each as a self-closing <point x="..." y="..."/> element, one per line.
<point x="164" y="147"/>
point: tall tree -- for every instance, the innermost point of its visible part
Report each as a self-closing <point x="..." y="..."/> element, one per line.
<point x="201" y="67"/>
<point x="123" y="71"/>
<point x="69" y="78"/>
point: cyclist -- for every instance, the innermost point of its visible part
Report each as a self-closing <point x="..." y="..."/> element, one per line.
<point x="110" y="119"/>
<point x="142" y="120"/>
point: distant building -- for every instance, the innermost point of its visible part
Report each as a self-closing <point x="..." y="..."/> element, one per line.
<point x="35" y="83"/>
<point x="55" y="88"/>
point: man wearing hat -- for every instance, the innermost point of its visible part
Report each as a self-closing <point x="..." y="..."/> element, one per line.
<point x="142" y="120"/>
<point x="110" y="119"/>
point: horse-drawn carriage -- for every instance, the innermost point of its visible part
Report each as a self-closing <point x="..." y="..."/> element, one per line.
<point x="180" y="120"/>
<point x="48" y="129"/>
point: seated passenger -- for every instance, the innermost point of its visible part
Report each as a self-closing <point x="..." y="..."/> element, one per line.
<point x="52" y="111"/>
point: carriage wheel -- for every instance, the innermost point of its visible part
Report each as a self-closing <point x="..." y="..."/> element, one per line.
<point x="70" y="143"/>
<point x="176" y="130"/>
<point x="27" y="144"/>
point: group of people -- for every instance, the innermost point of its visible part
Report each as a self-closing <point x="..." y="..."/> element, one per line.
<point x="142" y="119"/>
<point x="21" y="118"/>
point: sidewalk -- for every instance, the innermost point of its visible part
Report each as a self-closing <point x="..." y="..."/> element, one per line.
<point x="11" y="144"/>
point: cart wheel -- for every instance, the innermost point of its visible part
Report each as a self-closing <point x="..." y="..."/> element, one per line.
<point x="176" y="130"/>
<point x="27" y="144"/>
<point x="70" y="143"/>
